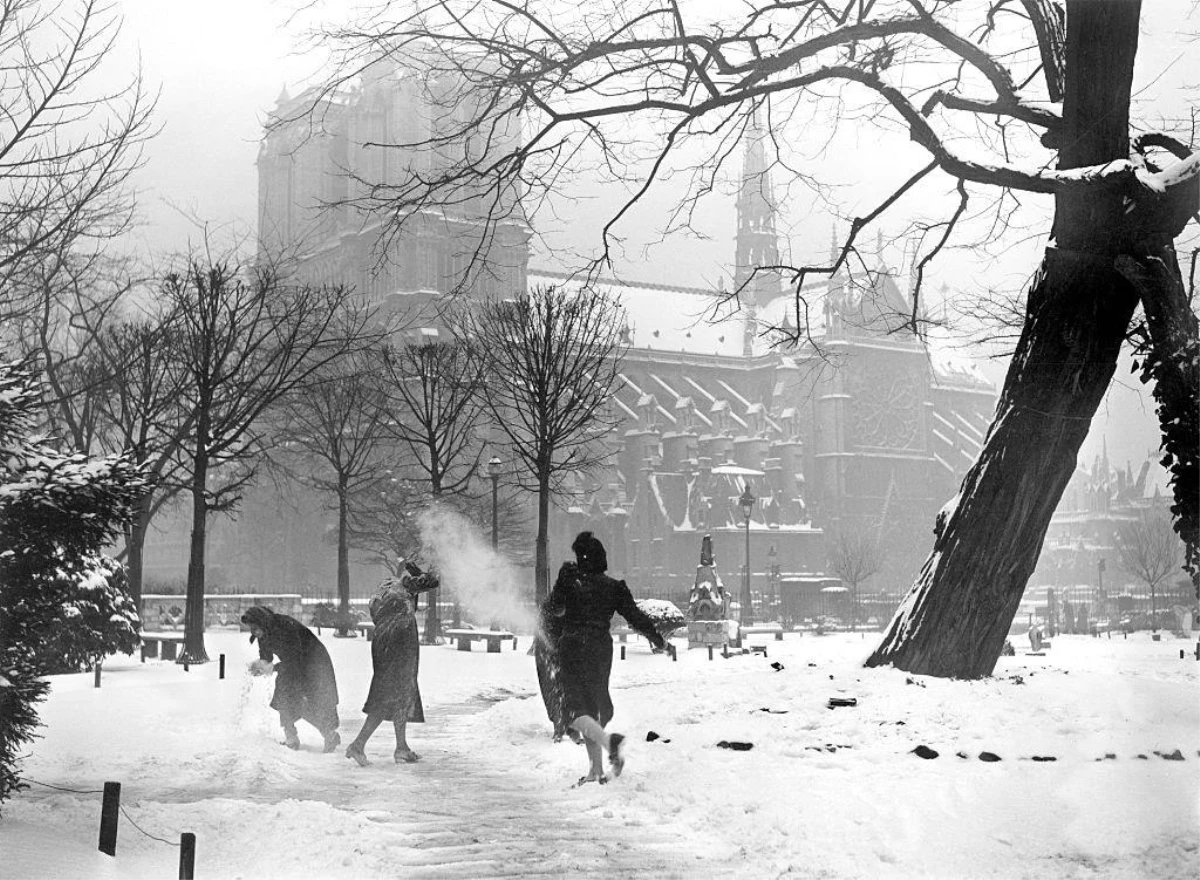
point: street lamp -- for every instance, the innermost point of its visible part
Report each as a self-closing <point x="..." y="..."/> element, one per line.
<point x="493" y="469"/>
<point x="773" y="577"/>
<point x="746" y="502"/>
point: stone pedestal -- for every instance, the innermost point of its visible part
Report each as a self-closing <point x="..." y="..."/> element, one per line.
<point x="711" y="632"/>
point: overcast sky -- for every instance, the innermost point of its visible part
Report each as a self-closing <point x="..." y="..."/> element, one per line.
<point x="220" y="64"/>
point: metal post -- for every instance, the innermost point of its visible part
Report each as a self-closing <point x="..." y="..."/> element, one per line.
<point x="109" y="811"/>
<point x="221" y="667"/>
<point x="187" y="856"/>
<point x="97" y="671"/>
<point x="495" y="532"/>
<point x="747" y="615"/>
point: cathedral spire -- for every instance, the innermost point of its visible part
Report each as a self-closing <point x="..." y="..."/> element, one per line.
<point x="757" y="244"/>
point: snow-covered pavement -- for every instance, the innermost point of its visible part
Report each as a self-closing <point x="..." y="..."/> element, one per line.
<point x="821" y="792"/>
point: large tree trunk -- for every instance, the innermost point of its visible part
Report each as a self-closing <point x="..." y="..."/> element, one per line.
<point x="193" y="625"/>
<point x="343" y="562"/>
<point x="135" y="547"/>
<point x="954" y="621"/>
<point x="542" y="557"/>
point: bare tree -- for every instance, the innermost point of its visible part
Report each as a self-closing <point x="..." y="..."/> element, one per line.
<point x="66" y="150"/>
<point x="137" y="399"/>
<point x="334" y="433"/>
<point x="854" y="556"/>
<point x="436" y="390"/>
<point x="1150" y="550"/>
<point x="552" y="360"/>
<point x="1044" y="91"/>
<point x="113" y="385"/>
<point x="245" y="340"/>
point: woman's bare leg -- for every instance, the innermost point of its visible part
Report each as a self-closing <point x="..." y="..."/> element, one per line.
<point x="595" y="740"/>
<point x="403" y="754"/>
<point x="356" y="750"/>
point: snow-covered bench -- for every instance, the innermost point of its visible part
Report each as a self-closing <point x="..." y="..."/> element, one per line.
<point x="760" y="628"/>
<point x="170" y="642"/>
<point x="493" y="637"/>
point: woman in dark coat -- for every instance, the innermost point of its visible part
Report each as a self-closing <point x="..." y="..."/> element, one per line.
<point x="395" y="658"/>
<point x="306" y="687"/>
<point x="578" y="651"/>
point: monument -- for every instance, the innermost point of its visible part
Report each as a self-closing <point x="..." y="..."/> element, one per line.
<point x="708" y="604"/>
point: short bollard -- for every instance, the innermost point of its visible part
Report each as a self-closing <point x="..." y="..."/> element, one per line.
<point x="710" y="652"/>
<point x="97" y="671"/>
<point x="187" y="667"/>
<point x="622" y="652"/>
<point x="674" y="656"/>
<point x="221" y="667"/>
<point x="109" y="810"/>
<point x="187" y="856"/>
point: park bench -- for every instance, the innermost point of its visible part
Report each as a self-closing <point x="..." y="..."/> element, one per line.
<point x="493" y="637"/>
<point x="169" y="642"/>
<point x="367" y="629"/>
<point x="760" y="628"/>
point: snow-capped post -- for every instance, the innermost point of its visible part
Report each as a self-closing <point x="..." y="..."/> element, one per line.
<point x="97" y="674"/>
<point x="187" y="855"/>
<point x="109" y="813"/>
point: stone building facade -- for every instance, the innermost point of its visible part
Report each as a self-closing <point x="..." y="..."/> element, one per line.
<point x="864" y="425"/>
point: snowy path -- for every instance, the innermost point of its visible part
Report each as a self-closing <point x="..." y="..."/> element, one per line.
<point x="456" y="813"/>
<point x="825" y="792"/>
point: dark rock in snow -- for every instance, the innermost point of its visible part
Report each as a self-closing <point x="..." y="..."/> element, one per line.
<point x="651" y="736"/>
<point x="1171" y="756"/>
<point x="988" y="756"/>
<point x="925" y="752"/>
<point x="778" y="667"/>
<point x="735" y="745"/>
<point x="1044" y="758"/>
<point x="835" y="702"/>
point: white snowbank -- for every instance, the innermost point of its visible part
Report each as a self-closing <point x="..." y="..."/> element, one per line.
<point x="822" y="792"/>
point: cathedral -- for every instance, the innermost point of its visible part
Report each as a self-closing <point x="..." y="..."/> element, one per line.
<point x="775" y="449"/>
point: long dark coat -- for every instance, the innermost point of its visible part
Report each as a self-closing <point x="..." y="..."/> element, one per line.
<point x="395" y="658"/>
<point x="574" y="655"/>
<point x="305" y="684"/>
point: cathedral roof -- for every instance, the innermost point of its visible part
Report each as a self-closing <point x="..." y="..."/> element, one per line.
<point x="693" y="320"/>
<point x="701" y="321"/>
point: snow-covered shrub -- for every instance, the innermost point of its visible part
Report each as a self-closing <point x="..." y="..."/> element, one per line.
<point x="97" y="617"/>
<point x="57" y="510"/>
<point x="666" y="615"/>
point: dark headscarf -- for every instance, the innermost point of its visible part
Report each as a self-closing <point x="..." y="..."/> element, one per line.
<point x="589" y="553"/>
<point x="259" y="616"/>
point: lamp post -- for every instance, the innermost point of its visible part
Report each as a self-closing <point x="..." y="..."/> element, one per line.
<point x="493" y="469"/>
<point x="746" y="502"/>
<point x="773" y="575"/>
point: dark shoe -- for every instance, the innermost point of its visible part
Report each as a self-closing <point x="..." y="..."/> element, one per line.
<point x="355" y="753"/>
<point x="405" y="756"/>
<point x="332" y="741"/>
<point x="584" y="780"/>
<point x="615" y="759"/>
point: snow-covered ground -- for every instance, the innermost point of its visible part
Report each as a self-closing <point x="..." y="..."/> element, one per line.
<point x="824" y="792"/>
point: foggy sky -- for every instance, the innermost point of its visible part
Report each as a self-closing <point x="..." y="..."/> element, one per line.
<point x="220" y="65"/>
